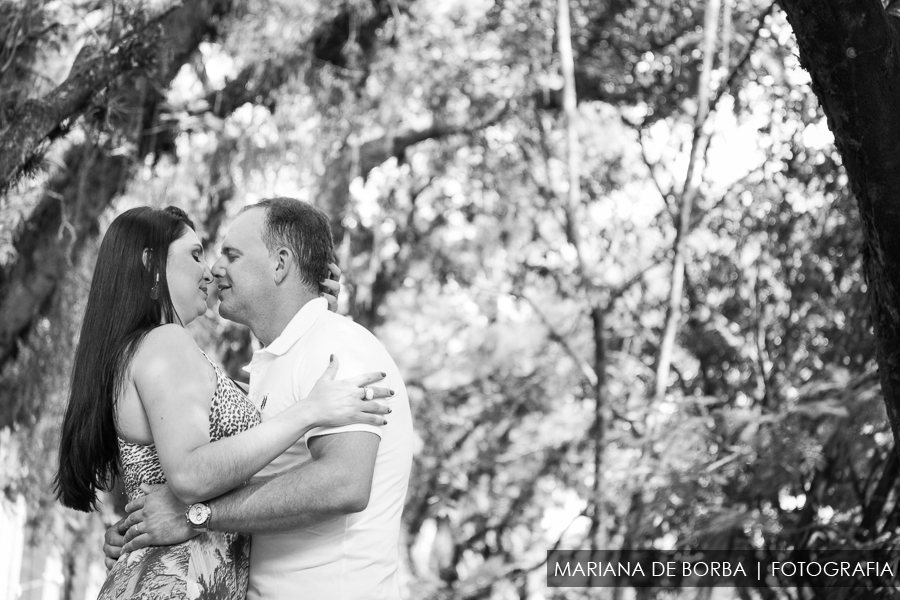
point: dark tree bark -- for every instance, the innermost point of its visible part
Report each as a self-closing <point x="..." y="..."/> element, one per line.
<point x="39" y="120"/>
<point x="851" y="49"/>
<point x="874" y="509"/>
<point x="52" y="236"/>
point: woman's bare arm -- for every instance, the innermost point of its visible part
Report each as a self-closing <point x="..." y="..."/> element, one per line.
<point x="175" y="383"/>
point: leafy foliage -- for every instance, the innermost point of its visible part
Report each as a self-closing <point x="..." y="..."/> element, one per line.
<point x="532" y="377"/>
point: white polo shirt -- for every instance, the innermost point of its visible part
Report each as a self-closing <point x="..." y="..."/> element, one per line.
<point x="355" y="556"/>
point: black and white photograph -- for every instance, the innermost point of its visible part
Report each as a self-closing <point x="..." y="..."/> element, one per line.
<point x="449" y="299"/>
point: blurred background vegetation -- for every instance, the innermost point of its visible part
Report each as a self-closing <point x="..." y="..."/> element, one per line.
<point x="610" y="244"/>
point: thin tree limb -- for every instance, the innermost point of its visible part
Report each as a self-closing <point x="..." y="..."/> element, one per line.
<point x="688" y="195"/>
<point x="745" y="57"/>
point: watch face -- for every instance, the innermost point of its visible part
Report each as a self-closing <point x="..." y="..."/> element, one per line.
<point x="198" y="514"/>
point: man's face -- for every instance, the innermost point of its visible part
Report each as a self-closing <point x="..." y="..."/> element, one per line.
<point x="243" y="269"/>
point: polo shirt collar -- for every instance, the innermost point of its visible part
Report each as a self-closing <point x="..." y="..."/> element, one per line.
<point x="298" y="326"/>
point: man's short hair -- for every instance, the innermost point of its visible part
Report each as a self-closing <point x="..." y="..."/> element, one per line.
<point x="304" y="229"/>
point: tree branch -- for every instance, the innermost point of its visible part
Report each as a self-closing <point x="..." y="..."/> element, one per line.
<point x="745" y="57"/>
<point x="37" y="121"/>
<point x="374" y="152"/>
<point x="589" y="375"/>
<point x="688" y="195"/>
<point x="358" y="160"/>
<point x="91" y="177"/>
<point x="258" y="82"/>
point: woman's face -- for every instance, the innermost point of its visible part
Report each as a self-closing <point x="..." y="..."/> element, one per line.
<point x="188" y="276"/>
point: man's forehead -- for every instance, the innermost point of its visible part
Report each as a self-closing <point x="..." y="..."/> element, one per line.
<point x="246" y="227"/>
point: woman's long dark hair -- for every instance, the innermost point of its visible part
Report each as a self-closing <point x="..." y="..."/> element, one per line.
<point x="119" y="313"/>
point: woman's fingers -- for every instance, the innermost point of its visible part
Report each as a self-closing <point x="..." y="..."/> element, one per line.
<point x="330" y="286"/>
<point x="335" y="271"/>
<point x="331" y="370"/>
<point x="377" y="392"/>
<point x="366" y="379"/>
<point x="376" y="409"/>
<point x="331" y="300"/>
<point x="373" y="408"/>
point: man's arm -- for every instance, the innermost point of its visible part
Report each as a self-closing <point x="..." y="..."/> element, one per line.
<point x="336" y="482"/>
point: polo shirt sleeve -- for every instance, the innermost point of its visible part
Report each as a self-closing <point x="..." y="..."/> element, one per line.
<point x="353" y="359"/>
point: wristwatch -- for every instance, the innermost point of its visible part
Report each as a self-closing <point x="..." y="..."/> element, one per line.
<point x="198" y="515"/>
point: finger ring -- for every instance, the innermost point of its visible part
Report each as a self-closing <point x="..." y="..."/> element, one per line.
<point x="369" y="393"/>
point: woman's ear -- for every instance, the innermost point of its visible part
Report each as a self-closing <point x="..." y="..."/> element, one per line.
<point x="145" y="258"/>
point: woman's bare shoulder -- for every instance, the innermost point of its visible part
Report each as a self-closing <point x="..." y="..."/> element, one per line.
<point x="167" y="349"/>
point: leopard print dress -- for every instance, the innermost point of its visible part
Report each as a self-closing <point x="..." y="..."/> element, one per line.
<point x="211" y="566"/>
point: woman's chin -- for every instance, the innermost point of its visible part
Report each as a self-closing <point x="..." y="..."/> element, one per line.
<point x="194" y="315"/>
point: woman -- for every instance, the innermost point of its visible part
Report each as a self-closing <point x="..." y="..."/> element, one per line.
<point x="146" y="403"/>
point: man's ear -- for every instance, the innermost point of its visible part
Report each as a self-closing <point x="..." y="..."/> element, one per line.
<point x="284" y="260"/>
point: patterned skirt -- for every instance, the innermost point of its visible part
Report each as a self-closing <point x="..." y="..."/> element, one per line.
<point x="211" y="566"/>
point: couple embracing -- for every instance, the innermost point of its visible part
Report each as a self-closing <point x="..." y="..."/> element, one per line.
<point x="306" y="469"/>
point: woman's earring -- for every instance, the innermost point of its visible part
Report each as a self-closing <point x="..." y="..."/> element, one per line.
<point x="154" y="291"/>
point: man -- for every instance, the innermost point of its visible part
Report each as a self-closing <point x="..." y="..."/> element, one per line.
<point x="326" y="521"/>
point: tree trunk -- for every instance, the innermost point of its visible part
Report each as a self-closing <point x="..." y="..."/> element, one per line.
<point x="573" y="210"/>
<point x="851" y="49"/>
<point x="688" y="195"/>
<point x="52" y="236"/>
<point x="598" y="429"/>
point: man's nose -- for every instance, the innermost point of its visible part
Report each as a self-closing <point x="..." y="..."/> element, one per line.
<point x="218" y="269"/>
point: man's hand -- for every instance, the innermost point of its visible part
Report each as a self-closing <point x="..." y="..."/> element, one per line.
<point x="330" y="288"/>
<point x="156" y="519"/>
<point x="113" y="542"/>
